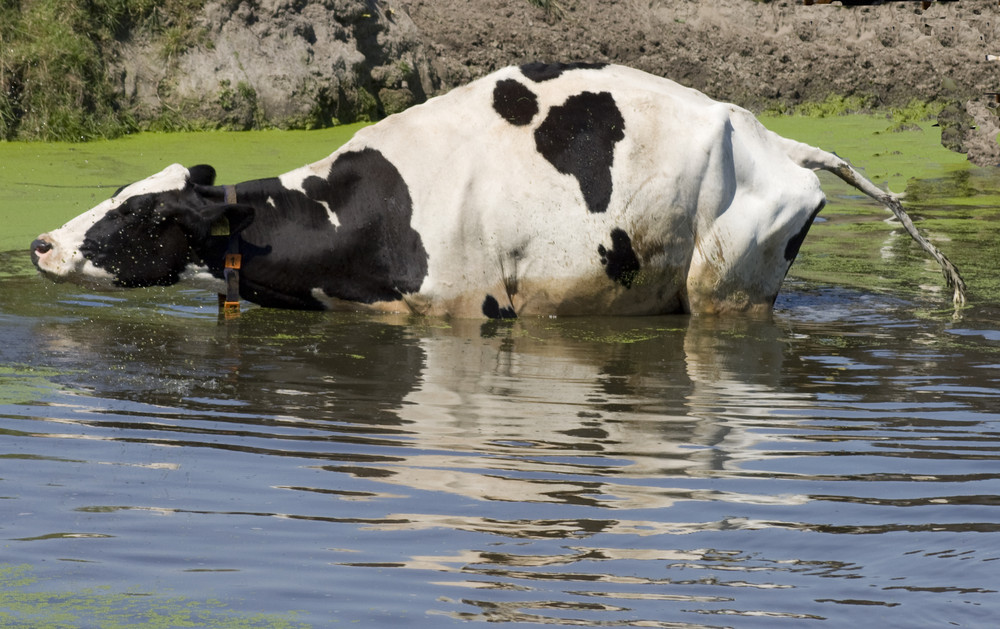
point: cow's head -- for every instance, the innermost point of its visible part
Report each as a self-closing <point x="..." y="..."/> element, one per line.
<point x="148" y="234"/>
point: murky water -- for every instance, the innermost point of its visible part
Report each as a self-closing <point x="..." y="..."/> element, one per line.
<point x="840" y="462"/>
<point x="836" y="465"/>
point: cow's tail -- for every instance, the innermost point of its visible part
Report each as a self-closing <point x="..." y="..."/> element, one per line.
<point x="812" y="157"/>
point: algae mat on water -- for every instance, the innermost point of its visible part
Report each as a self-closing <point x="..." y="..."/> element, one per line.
<point x="24" y="603"/>
<point x="954" y="203"/>
<point x="871" y="144"/>
<point x="44" y="184"/>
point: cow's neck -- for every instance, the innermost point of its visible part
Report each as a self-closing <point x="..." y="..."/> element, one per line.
<point x="268" y="273"/>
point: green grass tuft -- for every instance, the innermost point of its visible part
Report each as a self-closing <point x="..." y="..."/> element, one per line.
<point x="552" y="8"/>
<point x="54" y="54"/>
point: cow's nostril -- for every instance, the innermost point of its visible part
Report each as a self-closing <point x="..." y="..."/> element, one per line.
<point x="39" y="248"/>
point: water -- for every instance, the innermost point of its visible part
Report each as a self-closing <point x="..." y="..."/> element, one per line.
<point x="836" y="464"/>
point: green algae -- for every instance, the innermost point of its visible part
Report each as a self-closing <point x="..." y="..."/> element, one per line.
<point x="873" y="143"/>
<point x="24" y="384"/>
<point x="956" y="204"/>
<point x="27" y="602"/>
<point x="44" y="184"/>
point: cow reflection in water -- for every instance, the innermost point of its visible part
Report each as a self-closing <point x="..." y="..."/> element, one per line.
<point x="559" y="398"/>
<point x="510" y="411"/>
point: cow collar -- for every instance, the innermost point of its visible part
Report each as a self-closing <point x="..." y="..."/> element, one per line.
<point x="229" y="304"/>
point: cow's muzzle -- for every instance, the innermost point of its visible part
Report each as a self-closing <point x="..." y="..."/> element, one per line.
<point x="39" y="248"/>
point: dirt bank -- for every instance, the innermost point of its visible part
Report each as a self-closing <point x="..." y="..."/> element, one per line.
<point x="287" y="63"/>
<point x="756" y="54"/>
<point x="752" y="53"/>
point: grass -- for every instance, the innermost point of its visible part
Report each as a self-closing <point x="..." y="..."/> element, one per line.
<point x="52" y="82"/>
<point x="55" y="82"/>
<point x="59" y="80"/>
<point x="553" y="8"/>
<point x="915" y="112"/>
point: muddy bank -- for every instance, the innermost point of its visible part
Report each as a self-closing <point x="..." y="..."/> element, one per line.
<point x="256" y="63"/>
<point x="240" y="64"/>
<point x="756" y="54"/>
<point x="276" y="62"/>
<point x="283" y="60"/>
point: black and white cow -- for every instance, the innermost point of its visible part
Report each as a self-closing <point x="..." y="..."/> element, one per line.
<point x="540" y="189"/>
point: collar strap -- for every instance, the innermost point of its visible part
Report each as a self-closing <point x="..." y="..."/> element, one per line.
<point x="229" y="304"/>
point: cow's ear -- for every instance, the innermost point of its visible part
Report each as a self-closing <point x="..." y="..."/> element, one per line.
<point x="220" y="219"/>
<point x="201" y="175"/>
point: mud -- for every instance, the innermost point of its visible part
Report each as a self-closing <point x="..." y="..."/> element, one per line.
<point x="756" y="54"/>
<point x="293" y="64"/>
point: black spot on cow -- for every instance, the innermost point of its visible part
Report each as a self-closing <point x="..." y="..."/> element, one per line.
<point x="539" y="72"/>
<point x="375" y="254"/>
<point x="372" y="254"/>
<point x="620" y="262"/>
<point x="578" y="138"/>
<point x="492" y="309"/>
<point x="795" y="242"/>
<point x="514" y="102"/>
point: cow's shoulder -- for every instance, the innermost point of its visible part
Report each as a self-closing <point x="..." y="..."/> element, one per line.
<point x="369" y="251"/>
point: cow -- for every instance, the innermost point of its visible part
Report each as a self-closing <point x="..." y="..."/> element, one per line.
<point x="541" y="189"/>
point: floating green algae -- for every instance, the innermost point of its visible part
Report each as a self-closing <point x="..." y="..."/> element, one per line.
<point x="44" y="184"/>
<point x="24" y="384"/>
<point x="872" y="144"/>
<point x="954" y="203"/>
<point x="25" y="604"/>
